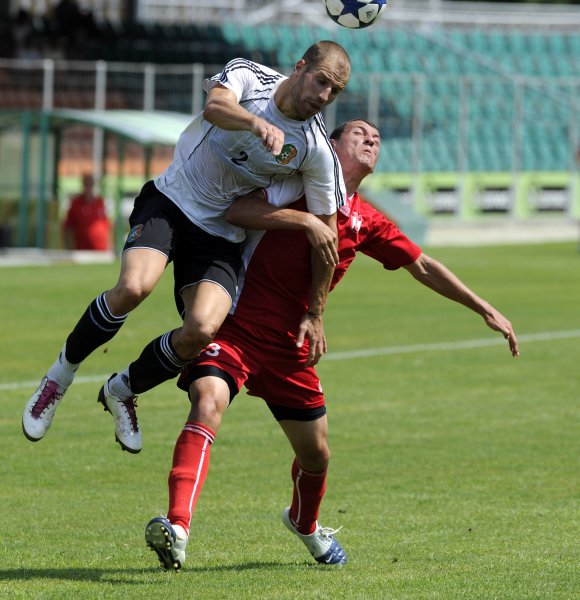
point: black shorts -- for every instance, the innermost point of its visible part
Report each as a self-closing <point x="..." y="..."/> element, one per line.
<point x="194" y="371"/>
<point x="157" y="223"/>
<point x="284" y="413"/>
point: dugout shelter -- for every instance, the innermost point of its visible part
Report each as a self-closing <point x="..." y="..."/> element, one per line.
<point x="39" y="133"/>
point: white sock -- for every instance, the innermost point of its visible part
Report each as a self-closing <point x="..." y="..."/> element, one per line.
<point x="62" y="371"/>
<point x="120" y="386"/>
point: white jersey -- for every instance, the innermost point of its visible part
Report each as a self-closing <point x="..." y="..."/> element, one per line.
<point x="211" y="166"/>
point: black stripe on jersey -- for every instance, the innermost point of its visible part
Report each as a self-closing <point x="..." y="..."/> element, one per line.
<point x="241" y="63"/>
<point x="339" y="198"/>
<point x="261" y="73"/>
<point x="200" y="143"/>
<point x="321" y="126"/>
<point x="264" y="80"/>
<point x="306" y="146"/>
<point x="250" y="100"/>
<point x="320" y="122"/>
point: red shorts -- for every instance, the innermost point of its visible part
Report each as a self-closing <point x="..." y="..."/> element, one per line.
<point x="267" y="363"/>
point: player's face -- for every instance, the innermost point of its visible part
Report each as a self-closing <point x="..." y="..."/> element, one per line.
<point x="317" y="87"/>
<point x="358" y="146"/>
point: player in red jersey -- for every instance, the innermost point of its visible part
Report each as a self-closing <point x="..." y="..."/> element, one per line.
<point x="257" y="347"/>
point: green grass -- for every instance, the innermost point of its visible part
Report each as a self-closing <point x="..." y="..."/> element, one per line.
<point x="454" y="472"/>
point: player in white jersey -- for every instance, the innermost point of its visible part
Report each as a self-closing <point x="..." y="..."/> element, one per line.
<point x="305" y="151"/>
<point x="257" y="126"/>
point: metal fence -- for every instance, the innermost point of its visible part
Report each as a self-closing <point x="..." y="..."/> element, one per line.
<point x="434" y="126"/>
<point x="430" y="123"/>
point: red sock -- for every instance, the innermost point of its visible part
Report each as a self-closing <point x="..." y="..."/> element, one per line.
<point x="308" y="492"/>
<point x="187" y="476"/>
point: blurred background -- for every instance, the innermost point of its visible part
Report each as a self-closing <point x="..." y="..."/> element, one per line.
<point x="478" y="104"/>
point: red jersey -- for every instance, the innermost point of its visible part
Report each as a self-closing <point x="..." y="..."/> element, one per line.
<point x="275" y="288"/>
<point x="89" y="224"/>
<point x="256" y="344"/>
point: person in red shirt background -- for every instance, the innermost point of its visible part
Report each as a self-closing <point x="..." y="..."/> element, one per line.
<point x="87" y="226"/>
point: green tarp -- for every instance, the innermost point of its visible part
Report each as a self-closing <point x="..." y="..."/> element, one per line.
<point x="145" y="128"/>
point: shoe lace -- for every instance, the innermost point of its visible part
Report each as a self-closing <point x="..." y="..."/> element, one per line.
<point x="328" y="532"/>
<point x="48" y="396"/>
<point x="130" y="405"/>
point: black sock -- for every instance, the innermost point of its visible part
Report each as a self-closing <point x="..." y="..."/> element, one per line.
<point x="96" y="327"/>
<point x="158" y="363"/>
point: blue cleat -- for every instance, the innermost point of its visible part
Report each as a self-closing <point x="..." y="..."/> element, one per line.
<point x="321" y="544"/>
<point x="168" y="541"/>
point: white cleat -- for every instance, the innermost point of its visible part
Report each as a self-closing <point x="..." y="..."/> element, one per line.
<point x="168" y="541"/>
<point x="324" y="548"/>
<point x="127" y="431"/>
<point x="39" y="410"/>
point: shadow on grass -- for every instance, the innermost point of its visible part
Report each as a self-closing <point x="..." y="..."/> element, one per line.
<point x="125" y="576"/>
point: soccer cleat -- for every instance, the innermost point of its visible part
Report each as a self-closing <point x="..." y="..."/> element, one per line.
<point x="168" y="541"/>
<point x="127" y="431"/>
<point x="40" y="409"/>
<point x="321" y="544"/>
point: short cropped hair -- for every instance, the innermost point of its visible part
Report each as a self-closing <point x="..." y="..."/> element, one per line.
<point x="323" y="50"/>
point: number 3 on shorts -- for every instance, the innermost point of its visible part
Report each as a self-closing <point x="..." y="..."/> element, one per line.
<point x="212" y="349"/>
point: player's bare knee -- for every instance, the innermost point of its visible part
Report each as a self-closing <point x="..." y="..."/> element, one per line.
<point x="125" y="297"/>
<point x="206" y="407"/>
<point x="206" y="333"/>
<point x="315" y="460"/>
<point x="323" y="461"/>
<point x="194" y="338"/>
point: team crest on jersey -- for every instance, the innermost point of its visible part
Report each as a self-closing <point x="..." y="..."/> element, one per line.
<point x="135" y="233"/>
<point x="355" y="222"/>
<point x="287" y="154"/>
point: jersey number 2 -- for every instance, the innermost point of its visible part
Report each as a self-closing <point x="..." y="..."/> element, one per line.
<point x="243" y="158"/>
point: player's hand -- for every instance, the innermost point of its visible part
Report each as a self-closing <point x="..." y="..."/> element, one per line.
<point x="323" y="239"/>
<point x="271" y="136"/>
<point x="496" y="321"/>
<point x="311" y="327"/>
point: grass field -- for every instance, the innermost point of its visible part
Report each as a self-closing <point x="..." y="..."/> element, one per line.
<point x="454" y="471"/>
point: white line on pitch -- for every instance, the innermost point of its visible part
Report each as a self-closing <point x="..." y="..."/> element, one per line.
<point x="497" y="341"/>
<point x="547" y="336"/>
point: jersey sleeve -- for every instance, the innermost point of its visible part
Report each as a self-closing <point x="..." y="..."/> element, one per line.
<point x="385" y="242"/>
<point x="242" y="77"/>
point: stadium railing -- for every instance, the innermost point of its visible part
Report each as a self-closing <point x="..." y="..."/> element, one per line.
<point x="461" y="111"/>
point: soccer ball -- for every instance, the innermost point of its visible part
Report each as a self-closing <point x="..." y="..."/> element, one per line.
<point x="355" y="14"/>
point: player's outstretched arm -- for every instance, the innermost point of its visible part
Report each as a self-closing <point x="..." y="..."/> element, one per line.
<point x="439" y="278"/>
<point x="223" y="110"/>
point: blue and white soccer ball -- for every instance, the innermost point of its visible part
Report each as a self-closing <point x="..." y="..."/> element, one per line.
<point x="355" y="14"/>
